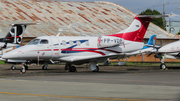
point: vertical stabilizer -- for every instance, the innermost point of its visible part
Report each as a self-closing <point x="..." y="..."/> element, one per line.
<point x="15" y="34"/>
<point x="150" y="41"/>
<point x="138" y="28"/>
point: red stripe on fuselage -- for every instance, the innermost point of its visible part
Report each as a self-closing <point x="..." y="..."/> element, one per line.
<point x="47" y="50"/>
<point x="43" y="50"/>
<point x="89" y="50"/>
<point x="55" y="49"/>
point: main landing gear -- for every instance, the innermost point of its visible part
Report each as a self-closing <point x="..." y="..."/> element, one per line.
<point x="70" y="68"/>
<point x="94" y="66"/>
<point x="96" y="70"/>
<point x="163" y="66"/>
<point x="44" y="67"/>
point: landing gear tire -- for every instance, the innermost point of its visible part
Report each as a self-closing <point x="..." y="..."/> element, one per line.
<point x="96" y="70"/>
<point x="26" y="67"/>
<point x="13" y="67"/>
<point x="163" y="66"/>
<point x="72" y="69"/>
<point x="23" y="70"/>
<point x="44" y="67"/>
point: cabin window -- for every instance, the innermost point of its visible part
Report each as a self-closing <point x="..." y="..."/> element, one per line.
<point x="44" y="41"/>
<point x="71" y="42"/>
<point x="63" y="42"/>
<point x="78" y="43"/>
<point x="34" y="42"/>
<point x="87" y="43"/>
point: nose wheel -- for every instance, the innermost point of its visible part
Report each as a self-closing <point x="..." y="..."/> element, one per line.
<point x="44" y="67"/>
<point x="163" y="66"/>
<point x="70" y="68"/>
<point x="24" y="68"/>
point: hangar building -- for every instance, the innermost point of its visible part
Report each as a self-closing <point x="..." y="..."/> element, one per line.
<point x="70" y="18"/>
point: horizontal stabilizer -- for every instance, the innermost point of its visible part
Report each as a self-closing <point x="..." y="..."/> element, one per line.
<point x="24" y="24"/>
<point x="156" y="46"/>
<point x="152" y="16"/>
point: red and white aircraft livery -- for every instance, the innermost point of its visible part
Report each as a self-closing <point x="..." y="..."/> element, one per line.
<point x="79" y="50"/>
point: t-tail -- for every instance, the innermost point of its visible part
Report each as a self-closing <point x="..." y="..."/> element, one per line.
<point x="15" y="34"/>
<point x="138" y="28"/>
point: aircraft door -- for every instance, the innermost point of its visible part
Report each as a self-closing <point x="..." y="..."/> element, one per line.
<point x="45" y="48"/>
<point x="55" y="47"/>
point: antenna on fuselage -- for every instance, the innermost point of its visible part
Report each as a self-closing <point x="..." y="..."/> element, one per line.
<point x="59" y="32"/>
<point x="64" y="29"/>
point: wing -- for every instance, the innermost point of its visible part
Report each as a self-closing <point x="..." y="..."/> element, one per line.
<point x="84" y="59"/>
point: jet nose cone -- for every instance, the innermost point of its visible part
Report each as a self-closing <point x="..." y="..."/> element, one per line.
<point x="5" y="56"/>
<point x="9" y="55"/>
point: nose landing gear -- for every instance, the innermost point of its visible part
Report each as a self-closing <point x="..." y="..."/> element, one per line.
<point x="24" y="68"/>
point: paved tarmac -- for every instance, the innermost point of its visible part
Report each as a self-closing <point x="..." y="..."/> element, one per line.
<point x="112" y="83"/>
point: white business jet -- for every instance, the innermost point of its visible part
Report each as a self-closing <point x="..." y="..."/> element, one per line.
<point x="79" y="50"/>
<point x="170" y="51"/>
<point x="13" y="38"/>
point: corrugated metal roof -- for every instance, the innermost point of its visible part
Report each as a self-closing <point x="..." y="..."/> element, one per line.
<point x="72" y="18"/>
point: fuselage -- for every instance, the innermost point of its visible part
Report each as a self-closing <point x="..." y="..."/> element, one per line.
<point x="63" y="48"/>
<point x="170" y="48"/>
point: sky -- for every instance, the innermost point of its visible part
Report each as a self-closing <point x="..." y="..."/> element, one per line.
<point x="137" y="6"/>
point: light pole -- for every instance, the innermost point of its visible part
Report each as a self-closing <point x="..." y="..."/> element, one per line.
<point x="171" y="14"/>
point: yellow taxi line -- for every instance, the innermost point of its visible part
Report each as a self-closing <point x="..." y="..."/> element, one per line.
<point x="81" y="97"/>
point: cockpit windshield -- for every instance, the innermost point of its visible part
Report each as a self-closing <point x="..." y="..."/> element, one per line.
<point x="34" y="42"/>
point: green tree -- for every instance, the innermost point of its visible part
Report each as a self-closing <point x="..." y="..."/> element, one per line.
<point x="178" y="33"/>
<point x="156" y="21"/>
